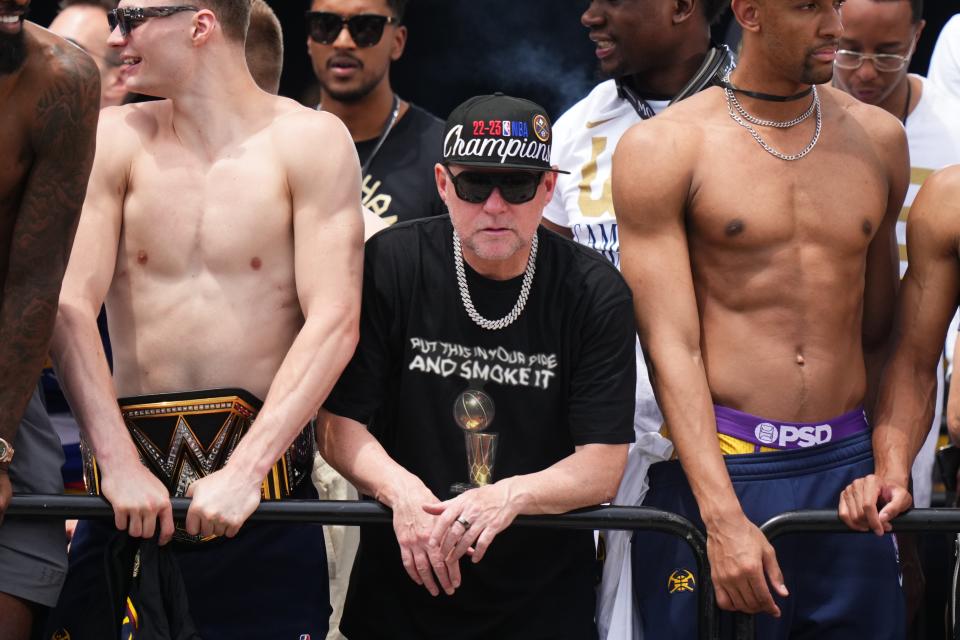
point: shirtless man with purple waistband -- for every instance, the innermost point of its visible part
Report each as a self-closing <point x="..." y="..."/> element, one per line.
<point x="768" y="206"/>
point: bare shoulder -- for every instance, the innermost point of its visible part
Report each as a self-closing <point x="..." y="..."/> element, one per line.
<point x="126" y="130"/>
<point x="940" y="195"/>
<point x="316" y="150"/>
<point x="667" y="145"/>
<point x="935" y="213"/>
<point x="60" y="89"/>
<point x="54" y="62"/>
<point x="296" y="127"/>
<point x="677" y="131"/>
<point x="882" y="127"/>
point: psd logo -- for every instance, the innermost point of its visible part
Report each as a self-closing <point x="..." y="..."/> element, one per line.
<point x="766" y="433"/>
<point x="304" y="636"/>
<point x="681" y="580"/>
<point x="807" y="436"/>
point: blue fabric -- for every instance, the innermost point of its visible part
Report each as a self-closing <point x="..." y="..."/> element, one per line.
<point x="270" y="581"/>
<point x="841" y="585"/>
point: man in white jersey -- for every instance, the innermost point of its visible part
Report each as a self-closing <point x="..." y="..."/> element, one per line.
<point x="878" y="40"/>
<point x="654" y="53"/>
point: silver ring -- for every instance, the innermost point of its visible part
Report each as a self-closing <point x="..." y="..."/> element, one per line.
<point x="463" y="522"/>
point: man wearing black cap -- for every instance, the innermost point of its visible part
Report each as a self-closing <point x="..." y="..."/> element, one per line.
<point x="494" y="377"/>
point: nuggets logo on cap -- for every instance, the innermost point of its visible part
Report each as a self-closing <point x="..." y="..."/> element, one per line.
<point x="541" y="127"/>
<point x="500" y="132"/>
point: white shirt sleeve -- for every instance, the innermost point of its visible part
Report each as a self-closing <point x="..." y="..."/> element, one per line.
<point x="556" y="211"/>
<point x="945" y="61"/>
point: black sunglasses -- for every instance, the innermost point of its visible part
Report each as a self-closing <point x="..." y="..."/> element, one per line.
<point x="366" y="29"/>
<point x="516" y="187"/>
<point x="129" y="18"/>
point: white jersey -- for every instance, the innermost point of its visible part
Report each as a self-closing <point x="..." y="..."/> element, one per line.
<point x="945" y="61"/>
<point x="584" y="140"/>
<point x="933" y="134"/>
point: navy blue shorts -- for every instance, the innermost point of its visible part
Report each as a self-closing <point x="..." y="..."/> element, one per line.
<point x="270" y="581"/>
<point x="841" y="586"/>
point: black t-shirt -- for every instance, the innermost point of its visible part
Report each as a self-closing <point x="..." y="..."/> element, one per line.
<point x="399" y="183"/>
<point x="562" y="375"/>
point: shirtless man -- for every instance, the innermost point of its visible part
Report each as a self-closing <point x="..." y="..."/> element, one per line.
<point x="927" y="302"/>
<point x="764" y="276"/>
<point x="49" y="91"/>
<point x="229" y="256"/>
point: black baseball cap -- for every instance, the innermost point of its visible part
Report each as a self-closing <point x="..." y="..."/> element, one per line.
<point x="499" y="132"/>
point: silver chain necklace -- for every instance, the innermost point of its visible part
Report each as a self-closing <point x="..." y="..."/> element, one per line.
<point x="508" y="319"/>
<point x="731" y="99"/>
<point x="779" y="124"/>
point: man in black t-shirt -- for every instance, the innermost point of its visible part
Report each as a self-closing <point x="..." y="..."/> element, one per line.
<point x="398" y="142"/>
<point x="546" y="386"/>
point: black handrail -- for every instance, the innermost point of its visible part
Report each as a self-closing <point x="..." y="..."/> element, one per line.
<point x="348" y="512"/>
<point x="827" y="521"/>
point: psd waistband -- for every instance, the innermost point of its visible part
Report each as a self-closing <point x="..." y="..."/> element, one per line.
<point x="785" y="436"/>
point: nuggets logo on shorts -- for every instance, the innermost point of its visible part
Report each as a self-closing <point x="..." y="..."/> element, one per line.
<point x="60" y="634"/>
<point x="541" y="128"/>
<point x="681" y="580"/>
<point x="766" y="433"/>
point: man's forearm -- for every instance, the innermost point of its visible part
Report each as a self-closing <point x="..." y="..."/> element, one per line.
<point x="905" y="410"/>
<point x="310" y="369"/>
<point x="85" y="378"/>
<point x="353" y="451"/>
<point x="874" y="358"/>
<point x="26" y="324"/>
<point x="588" y="477"/>
<point x="688" y="408"/>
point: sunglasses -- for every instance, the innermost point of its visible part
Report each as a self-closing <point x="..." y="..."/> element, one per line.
<point x="129" y="18"/>
<point x="366" y="29"/>
<point x="516" y="187"/>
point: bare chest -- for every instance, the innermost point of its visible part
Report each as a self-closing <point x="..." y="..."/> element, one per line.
<point x="746" y="199"/>
<point x="183" y="213"/>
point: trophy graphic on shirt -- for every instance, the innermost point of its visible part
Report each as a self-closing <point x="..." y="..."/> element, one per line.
<point x="473" y="412"/>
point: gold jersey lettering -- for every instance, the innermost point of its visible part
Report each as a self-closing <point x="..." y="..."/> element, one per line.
<point x="378" y="204"/>
<point x="592" y="207"/>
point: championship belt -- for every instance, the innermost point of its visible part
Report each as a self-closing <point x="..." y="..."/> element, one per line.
<point x="182" y="437"/>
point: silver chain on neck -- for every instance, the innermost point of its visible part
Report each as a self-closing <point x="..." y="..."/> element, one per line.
<point x="508" y="319"/>
<point x="741" y="117"/>
<point x="779" y="124"/>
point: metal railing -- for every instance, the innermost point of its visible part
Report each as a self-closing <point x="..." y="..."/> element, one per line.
<point x="367" y="512"/>
<point x="827" y="521"/>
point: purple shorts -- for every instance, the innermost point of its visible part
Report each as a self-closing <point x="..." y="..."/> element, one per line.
<point x="794" y="435"/>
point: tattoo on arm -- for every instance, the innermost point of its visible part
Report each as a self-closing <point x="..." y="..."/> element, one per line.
<point x="63" y="140"/>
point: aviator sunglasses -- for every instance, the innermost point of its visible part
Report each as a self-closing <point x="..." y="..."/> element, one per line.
<point x="366" y="29"/>
<point x="129" y="18"/>
<point x="516" y="187"/>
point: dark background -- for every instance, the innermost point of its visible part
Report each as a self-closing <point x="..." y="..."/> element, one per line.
<point x="459" y="48"/>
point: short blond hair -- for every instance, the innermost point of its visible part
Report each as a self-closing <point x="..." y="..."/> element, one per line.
<point x="264" y="48"/>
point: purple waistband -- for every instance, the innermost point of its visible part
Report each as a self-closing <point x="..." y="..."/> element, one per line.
<point x="794" y="435"/>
